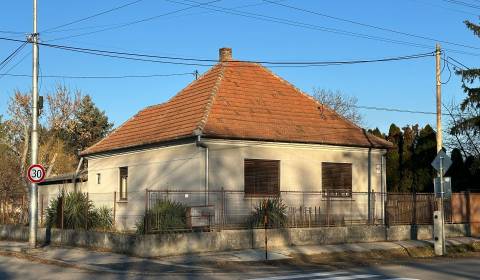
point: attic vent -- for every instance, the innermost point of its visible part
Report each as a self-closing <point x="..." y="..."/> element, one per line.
<point x="225" y="54"/>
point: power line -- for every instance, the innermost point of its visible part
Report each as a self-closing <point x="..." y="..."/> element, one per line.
<point x="397" y="110"/>
<point x="208" y="62"/>
<point x="101" y="77"/>
<point x="132" y="22"/>
<point x="313" y="27"/>
<point x="121" y="24"/>
<point x="16" y="64"/>
<point x="462" y="3"/>
<point x="427" y="3"/>
<point x="92" y="16"/>
<point x="9" y="58"/>
<point x="370" y="26"/>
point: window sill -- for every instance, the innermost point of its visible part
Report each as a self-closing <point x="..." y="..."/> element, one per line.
<point x="261" y="195"/>
<point x="122" y="201"/>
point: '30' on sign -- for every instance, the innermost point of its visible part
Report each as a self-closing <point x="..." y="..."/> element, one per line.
<point x="36" y="173"/>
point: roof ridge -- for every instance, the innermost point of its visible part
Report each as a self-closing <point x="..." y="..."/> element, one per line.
<point x="203" y="121"/>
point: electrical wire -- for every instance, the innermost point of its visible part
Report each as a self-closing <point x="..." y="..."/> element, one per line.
<point x="16" y="64"/>
<point x="370" y="26"/>
<point x="462" y="3"/>
<point x="131" y="22"/>
<point x="100" y="77"/>
<point x="182" y="60"/>
<point x="9" y="58"/>
<point x="396" y="110"/>
<point x="312" y="26"/>
<point x="92" y="16"/>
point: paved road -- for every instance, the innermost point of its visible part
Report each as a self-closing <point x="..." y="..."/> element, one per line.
<point x="438" y="269"/>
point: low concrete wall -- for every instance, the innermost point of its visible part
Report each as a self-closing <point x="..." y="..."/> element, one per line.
<point x="199" y="242"/>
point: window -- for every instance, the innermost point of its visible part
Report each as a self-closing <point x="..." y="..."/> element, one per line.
<point x="337" y="179"/>
<point x="98" y="179"/>
<point x="262" y="177"/>
<point x="123" y="183"/>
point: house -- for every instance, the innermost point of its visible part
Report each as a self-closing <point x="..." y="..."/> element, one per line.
<point x="238" y="127"/>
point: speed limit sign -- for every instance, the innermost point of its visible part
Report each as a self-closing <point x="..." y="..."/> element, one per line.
<point x="36" y="173"/>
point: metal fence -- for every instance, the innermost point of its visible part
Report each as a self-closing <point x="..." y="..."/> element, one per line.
<point x="230" y="209"/>
<point x="227" y="209"/>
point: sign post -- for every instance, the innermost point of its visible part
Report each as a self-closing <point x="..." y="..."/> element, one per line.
<point x="441" y="163"/>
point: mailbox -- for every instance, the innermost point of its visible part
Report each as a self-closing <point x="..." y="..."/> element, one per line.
<point x="200" y="216"/>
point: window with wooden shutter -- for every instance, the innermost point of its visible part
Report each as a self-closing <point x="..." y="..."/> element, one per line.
<point x="336" y="179"/>
<point x="262" y="177"/>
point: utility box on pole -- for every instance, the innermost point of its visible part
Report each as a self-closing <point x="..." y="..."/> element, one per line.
<point x="438" y="233"/>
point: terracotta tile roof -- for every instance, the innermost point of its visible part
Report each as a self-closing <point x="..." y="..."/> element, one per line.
<point x="238" y="100"/>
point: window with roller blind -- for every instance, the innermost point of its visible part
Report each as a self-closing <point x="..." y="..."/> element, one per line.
<point x="262" y="177"/>
<point x="123" y="184"/>
<point x="336" y="179"/>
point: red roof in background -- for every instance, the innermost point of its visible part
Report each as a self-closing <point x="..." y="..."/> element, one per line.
<point x="238" y="100"/>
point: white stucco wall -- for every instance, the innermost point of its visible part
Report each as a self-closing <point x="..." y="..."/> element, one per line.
<point x="181" y="167"/>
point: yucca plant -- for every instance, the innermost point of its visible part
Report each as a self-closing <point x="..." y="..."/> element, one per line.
<point x="164" y="215"/>
<point x="274" y="209"/>
<point x="78" y="213"/>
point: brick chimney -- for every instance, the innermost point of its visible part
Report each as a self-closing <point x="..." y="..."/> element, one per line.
<point x="224" y="54"/>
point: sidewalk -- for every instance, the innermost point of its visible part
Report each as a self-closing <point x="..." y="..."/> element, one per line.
<point x="118" y="263"/>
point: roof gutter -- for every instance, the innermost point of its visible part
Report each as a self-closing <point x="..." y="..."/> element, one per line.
<point x="201" y="144"/>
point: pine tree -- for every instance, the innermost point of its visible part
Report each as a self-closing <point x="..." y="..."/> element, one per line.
<point x="471" y="104"/>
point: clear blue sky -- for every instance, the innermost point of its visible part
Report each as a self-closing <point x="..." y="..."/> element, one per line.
<point x="199" y="33"/>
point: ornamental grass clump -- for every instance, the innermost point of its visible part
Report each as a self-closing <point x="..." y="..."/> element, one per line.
<point x="78" y="213"/>
<point x="165" y="215"/>
<point x="274" y="209"/>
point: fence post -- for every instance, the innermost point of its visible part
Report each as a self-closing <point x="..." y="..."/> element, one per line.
<point x="86" y="215"/>
<point x="468" y="210"/>
<point x="414" y="220"/>
<point x="114" y="206"/>
<point x="41" y="210"/>
<point x="145" y="223"/>
<point x="62" y="204"/>
<point x="222" y="218"/>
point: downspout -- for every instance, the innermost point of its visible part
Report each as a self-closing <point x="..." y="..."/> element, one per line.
<point x="383" y="184"/>
<point x="369" y="177"/>
<point x="201" y="144"/>
<point x="75" y="175"/>
<point x="369" y="185"/>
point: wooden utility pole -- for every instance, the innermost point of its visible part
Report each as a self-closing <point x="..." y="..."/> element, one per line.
<point x="438" y="53"/>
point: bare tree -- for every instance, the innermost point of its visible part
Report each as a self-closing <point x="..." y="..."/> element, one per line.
<point x="343" y="104"/>
<point x="460" y="136"/>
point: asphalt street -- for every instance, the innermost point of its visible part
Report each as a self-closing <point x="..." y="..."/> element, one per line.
<point x="423" y="269"/>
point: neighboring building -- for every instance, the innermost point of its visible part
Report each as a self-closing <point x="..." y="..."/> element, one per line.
<point x="238" y="127"/>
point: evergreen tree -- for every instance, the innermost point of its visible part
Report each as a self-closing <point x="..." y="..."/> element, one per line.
<point x="409" y="139"/>
<point x="458" y="172"/>
<point x="393" y="158"/>
<point x="471" y="103"/>
<point x="424" y="153"/>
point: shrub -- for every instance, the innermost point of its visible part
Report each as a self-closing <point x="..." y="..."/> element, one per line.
<point x="275" y="210"/>
<point x="78" y="212"/>
<point x="164" y="215"/>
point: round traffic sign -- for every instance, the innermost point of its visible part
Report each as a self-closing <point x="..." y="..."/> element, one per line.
<point x="36" y="173"/>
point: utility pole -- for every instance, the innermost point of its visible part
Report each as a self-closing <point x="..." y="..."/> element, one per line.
<point x="32" y="239"/>
<point x="438" y="53"/>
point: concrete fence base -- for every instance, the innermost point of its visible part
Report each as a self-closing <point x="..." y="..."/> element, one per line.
<point x="199" y="242"/>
